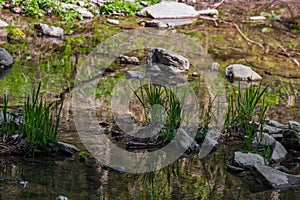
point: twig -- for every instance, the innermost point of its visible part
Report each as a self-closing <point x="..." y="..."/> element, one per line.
<point x="245" y="37"/>
<point x="218" y="4"/>
<point x="211" y="19"/>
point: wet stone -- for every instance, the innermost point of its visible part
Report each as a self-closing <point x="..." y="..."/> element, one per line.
<point x="279" y="153"/>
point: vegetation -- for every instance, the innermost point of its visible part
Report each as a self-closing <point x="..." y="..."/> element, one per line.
<point x="38" y="125"/>
<point x="121" y="6"/>
<point x="153" y="95"/>
<point x="37" y="122"/>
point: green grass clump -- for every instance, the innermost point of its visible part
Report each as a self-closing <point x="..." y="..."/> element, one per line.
<point x="8" y="124"/>
<point x="41" y="133"/>
<point x="244" y="109"/>
<point x="152" y="95"/>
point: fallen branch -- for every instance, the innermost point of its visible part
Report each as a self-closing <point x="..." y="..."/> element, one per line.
<point x="245" y="37"/>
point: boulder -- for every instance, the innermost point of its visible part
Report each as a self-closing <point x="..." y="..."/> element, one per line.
<point x="277" y="179"/>
<point x="169" y="9"/>
<point x="138" y="75"/>
<point x="167" y="59"/>
<point x="51" y="31"/>
<point x="279" y="153"/>
<point x="67" y="148"/>
<point x="242" y="73"/>
<point x="247" y="160"/>
<point x="6" y="62"/>
<point x="262" y="140"/>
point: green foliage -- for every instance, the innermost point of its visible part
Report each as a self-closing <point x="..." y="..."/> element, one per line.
<point x="41" y="133"/>
<point x="83" y="155"/>
<point x="121" y="6"/>
<point x="274" y="14"/>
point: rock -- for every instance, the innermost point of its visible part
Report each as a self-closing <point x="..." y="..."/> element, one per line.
<point x="271" y="129"/>
<point x="166" y="68"/>
<point x="138" y="75"/>
<point x="169" y="9"/>
<point x="129" y="60"/>
<point x="276" y="124"/>
<point x="60" y="197"/>
<point x="279" y="153"/>
<point x="186" y="141"/>
<point x="67" y="148"/>
<point x="195" y="74"/>
<point x="155" y="23"/>
<point x="3" y="23"/>
<point x="83" y="11"/>
<point x="277" y="179"/>
<point x="208" y="12"/>
<point x="113" y="22"/>
<point x="294" y="126"/>
<point x="51" y="31"/>
<point x="263" y="139"/>
<point x="247" y="160"/>
<point x="167" y="59"/>
<point x="242" y="73"/>
<point x="257" y="18"/>
<point x="6" y="60"/>
<point x="214" y="67"/>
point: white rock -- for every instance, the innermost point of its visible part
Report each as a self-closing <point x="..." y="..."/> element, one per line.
<point x="113" y="21"/>
<point x="3" y="23"/>
<point x="241" y="72"/>
<point x="208" y="12"/>
<point x="257" y="18"/>
<point x="169" y="9"/>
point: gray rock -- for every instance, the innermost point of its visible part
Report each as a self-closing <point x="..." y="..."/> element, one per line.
<point x="214" y="67"/>
<point x="67" y="148"/>
<point x="276" y="124"/>
<point x="138" y="75"/>
<point x="169" y="9"/>
<point x="271" y="129"/>
<point x="6" y="59"/>
<point x="195" y="74"/>
<point x="247" y="160"/>
<point x="155" y="23"/>
<point x="277" y="179"/>
<point x="83" y="11"/>
<point x="60" y="197"/>
<point x="242" y="73"/>
<point x="129" y="60"/>
<point x="208" y="12"/>
<point x="262" y="140"/>
<point x="3" y="23"/>
<point x="113" y="22"/>
<point x="279" y="153"/>
<point x="294" y="126"/>
<point x="51" y="31"/>
<point x="167" y="59"/>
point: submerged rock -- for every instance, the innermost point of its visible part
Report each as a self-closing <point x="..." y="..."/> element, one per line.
<point x="67" y="148"/>
<point x="277" y="179"/>
<point x="138" y="75"/>
<point x="247" y="160"/>
<point x="169" y="9"/>
<point x="242" y="73"/>
<point x="51" y="31"/>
